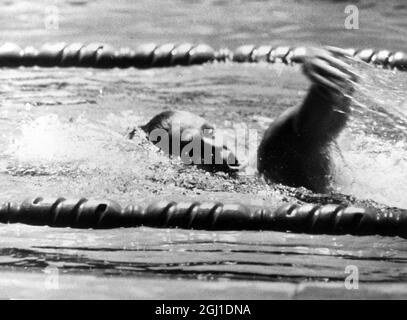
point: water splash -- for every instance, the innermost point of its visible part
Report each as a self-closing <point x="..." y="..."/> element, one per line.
<point x="374" y="146"/>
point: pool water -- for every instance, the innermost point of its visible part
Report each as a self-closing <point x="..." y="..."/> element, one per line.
<point x="63" y="133"/>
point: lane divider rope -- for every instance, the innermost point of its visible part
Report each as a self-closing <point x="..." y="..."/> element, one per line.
<point x="150" y="55"/>
<point x="106" y="214"/>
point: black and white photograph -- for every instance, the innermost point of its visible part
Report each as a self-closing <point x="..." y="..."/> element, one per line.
<point x="201" y="155"/>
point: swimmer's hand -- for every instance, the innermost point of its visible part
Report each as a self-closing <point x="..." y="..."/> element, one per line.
<point x="329" y="70"/>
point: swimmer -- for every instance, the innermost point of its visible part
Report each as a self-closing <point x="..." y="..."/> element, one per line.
<point x="295" y="149"/>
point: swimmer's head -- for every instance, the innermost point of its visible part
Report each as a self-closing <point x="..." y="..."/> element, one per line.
<point x="182" y="121"/>
<point x="195" y="138"/>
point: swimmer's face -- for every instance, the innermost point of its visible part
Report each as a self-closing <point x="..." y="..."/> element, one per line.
<point x="186" y="128"/>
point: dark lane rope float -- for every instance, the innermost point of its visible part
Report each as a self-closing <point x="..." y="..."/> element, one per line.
<point x="309" y="218"/>
<point x="151" y="55"/>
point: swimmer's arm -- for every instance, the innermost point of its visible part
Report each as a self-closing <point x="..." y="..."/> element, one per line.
<point x="321" y="116"/>
<point x="294" y="148"/>
<point x="326" y="107"/>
